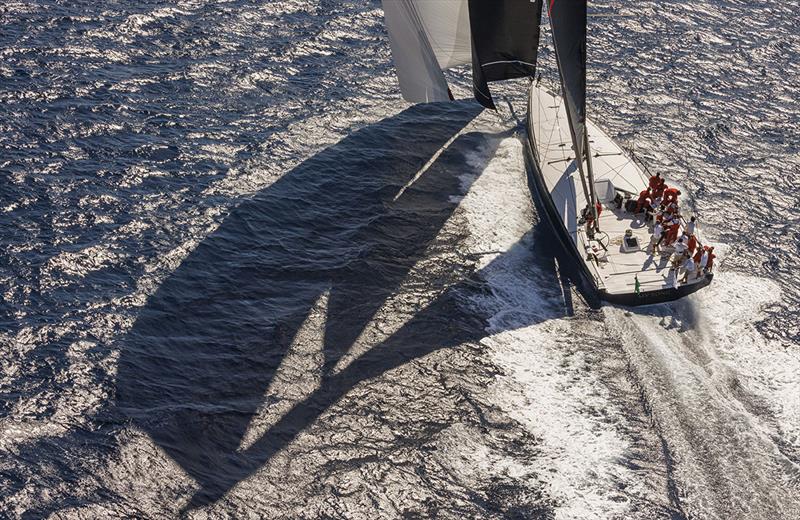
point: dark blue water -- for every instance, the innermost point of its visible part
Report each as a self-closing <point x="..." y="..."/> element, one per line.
<point x="219" y="298"/>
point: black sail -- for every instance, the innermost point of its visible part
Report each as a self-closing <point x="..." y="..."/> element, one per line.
<point x="568" y="22"/>
<point x="505" y="40"/>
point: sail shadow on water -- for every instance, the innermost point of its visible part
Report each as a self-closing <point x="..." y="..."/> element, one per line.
<point x="205" y="348"/>
<point x="446" y="322"/>
<point x="195" y="368"/>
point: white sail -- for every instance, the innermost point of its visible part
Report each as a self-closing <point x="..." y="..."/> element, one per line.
<point x="427" y="36"/>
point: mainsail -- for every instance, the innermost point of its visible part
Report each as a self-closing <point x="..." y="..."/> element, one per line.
<point x="568" y="22"/>
<point x="499" y="37"/>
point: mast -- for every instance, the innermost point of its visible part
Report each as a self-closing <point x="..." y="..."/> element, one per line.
<point x="590" y="172"/>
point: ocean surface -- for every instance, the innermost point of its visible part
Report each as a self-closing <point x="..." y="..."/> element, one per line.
<point x="242" y="278"/>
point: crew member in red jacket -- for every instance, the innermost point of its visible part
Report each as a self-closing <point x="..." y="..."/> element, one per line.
<point x="672" y="231"/>
<point x="692" y="245"/>
<point x="655" y="181"/>
<point x="711" y="257"/>
<point x="644" y="200"/>
<point x="659" y="189"/>
<point x="671" y="195"/>
<point x="698" y="256"/>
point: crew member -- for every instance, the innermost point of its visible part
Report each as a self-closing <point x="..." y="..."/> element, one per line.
<point x="691" y="227"/>
<point x="688" y="269"/>
<point x="680" y="248"/>
<point x="655" y="181"/>
<point x="698" y="260"/>
<point x="676" y="263"/>
<point x="658" y="192"/>
<point x="692" y="244"/>
<point x="671" y="195"/>
<point x="710" y="263"/>
<point x="644" y="198"/>
<point x="658" y="236"/>
<point x="589" y="216"/>
<point x="702" y="263"/>
<point x="673" y="230"/>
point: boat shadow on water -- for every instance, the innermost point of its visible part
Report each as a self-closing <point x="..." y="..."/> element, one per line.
<point x="195" y="367"/>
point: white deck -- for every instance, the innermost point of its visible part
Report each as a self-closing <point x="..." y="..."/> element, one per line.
<point x="617" y="270"/>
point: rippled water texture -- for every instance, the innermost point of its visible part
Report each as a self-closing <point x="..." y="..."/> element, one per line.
<point x="242" y="278"/>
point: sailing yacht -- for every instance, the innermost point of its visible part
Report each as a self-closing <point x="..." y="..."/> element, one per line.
<point x="583" y="182"/>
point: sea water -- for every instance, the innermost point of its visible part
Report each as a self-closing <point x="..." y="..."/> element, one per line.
<point x="241" y="277"/>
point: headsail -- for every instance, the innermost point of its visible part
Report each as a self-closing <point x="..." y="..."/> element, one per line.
<point x="426" y="38"/>
<point x="499" y="37"/>
<point x="505" y="41"/>
<point x="568" y="22"/>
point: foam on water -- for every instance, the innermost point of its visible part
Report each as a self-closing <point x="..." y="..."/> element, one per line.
<point x="723" y="398"/>
<point x="548" y="383"/>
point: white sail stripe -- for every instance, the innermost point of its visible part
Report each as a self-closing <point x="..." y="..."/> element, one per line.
<point x="508" y="61"/>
